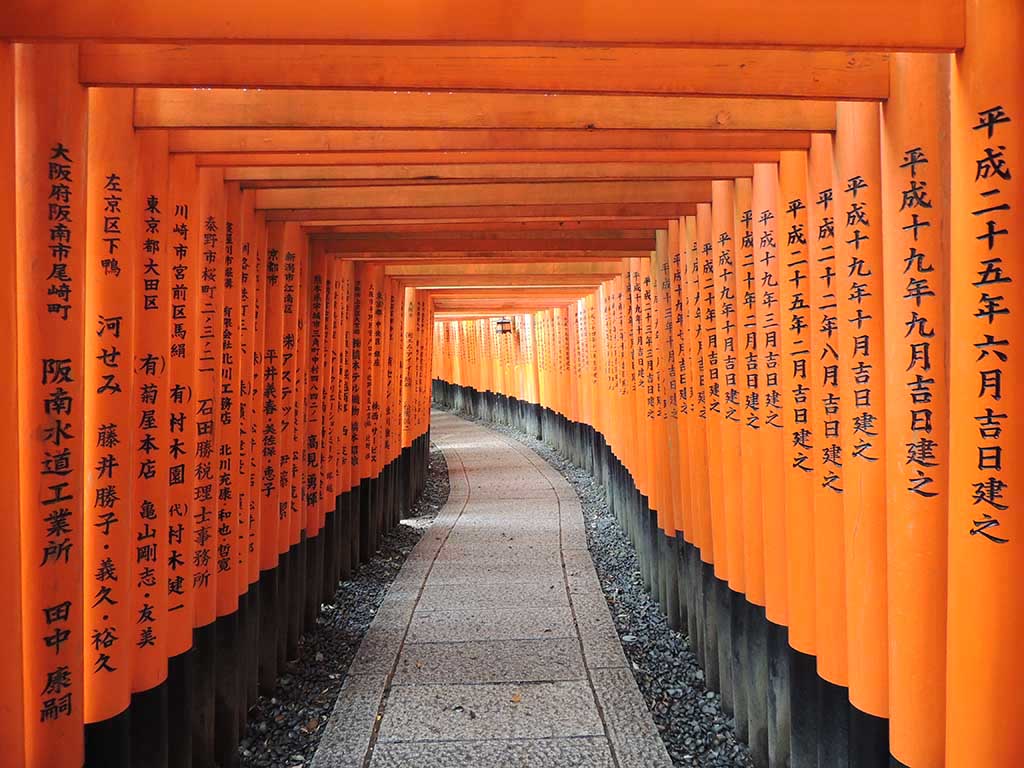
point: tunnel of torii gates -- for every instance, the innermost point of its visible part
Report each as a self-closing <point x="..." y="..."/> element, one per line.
<point x="727" y="256"/>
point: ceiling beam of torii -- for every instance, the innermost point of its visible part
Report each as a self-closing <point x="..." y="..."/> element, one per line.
<point x="240" y="108"/>
<point x="451" y="142"/>
<point x="863" y="24"/>
<point x="540" y="69"/>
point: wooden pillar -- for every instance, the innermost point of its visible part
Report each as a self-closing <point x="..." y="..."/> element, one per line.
<point x="184" y="266"/>
<point x="12" y="713"/>
<point x="862" y="423"/>
<point x="50" y="167"/>
<point x="915" y="200"/>
<point x="986" y="569"/>
<point x="749" y="390"/>
<point x="150" y="462"/>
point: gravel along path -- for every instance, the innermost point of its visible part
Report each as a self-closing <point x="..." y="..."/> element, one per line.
<point x="689" y="717"/>
<point x="284" y="729"/>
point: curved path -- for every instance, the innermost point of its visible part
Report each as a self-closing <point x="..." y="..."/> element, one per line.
<point x="494" y="645"/>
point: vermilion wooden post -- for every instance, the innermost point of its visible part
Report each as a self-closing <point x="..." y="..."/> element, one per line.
<point x="269" y="446"/>
<point x="769" y="349"/>
<point x="50" y="167"/>
<point x="12" y="712"/>
<point x="749" y="391"/>
<point x="795" y="353"/>
<point x="183" y="271"/>
<point x="711" y="352"/>
<point x="986" y="440"/>
<point x="799" y="456"/>
<point x="209" y="321"/>
<point x="110" y="549"/>
<point x="681" y="384"/>
<point x="729" y="362"/>
<point x="149" y="470"/>
<point x="730" y="368"/>
<point x="750" y="614"/>
<point x="862" y="418"/>
<point x="829" y="545"/>
<point x="915" y="167"/>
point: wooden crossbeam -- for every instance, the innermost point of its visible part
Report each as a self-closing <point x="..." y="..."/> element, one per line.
<point x="268" y="176"/>
<point x="235" y="108"/>
<point x="511" y="193"/>
<point x="292" y="159"/>
<point x="838" y="24"/>
<point x="510" y="228"/>
<point x="506" y="282"/>
<point x="507" y="268"/>
<point x="470" y="245"/>
<point x="222" y="140"/>
<point x="475" y="257"/>
<point x="506" y="212"/>
<point x="841" y="75"/>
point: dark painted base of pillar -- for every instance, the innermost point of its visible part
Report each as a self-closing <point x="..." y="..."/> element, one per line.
<point x="108" y="742"/>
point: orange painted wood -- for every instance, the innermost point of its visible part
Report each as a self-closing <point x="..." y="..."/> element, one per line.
<point x="697" y="437"/>
<point x="485" y="212"/>
<point x="562" y="69"/>
<point x="209" y="314"/>
<point x="455" y="141"/>
<point x="862" y="395"/>
<point x="764" y="201"/>
<point x="230" y="572"/>
<point x="829" y="540"/>
<point x="488" y="157"/>
<point x="50" y="158"/>
<point x="800" y="449"/>
<point x="737" y="23"/>
<point x="512" y="193"/>
<point x="917" y="448"/>
<point x="314" y="175"/>
<point x="728" y="332"/>
<point x="150" y="513"/>
<point x="469" y="245"/>
<point x="710" y="350"/>
<point x="239" y="108"/>
<point x="271" y="382"/>
<point x="183" y="269"/>
<point x="585" y="227"/>
<point x="750" y="390"/>
<point x="12" y="713"/>
<point x="983" y="675"/>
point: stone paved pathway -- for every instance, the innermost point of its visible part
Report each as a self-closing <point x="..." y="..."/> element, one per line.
<point x="494" y="645"/>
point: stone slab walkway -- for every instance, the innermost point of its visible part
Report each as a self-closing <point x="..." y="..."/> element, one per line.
<point x="494" y="645"/>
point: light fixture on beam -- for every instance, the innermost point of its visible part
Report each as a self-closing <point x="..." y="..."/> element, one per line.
<point x="504" y="325"/>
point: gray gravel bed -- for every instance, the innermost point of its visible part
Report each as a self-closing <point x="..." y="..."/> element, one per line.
<point x="284" y="729"/>
<point x="689" y="717"/>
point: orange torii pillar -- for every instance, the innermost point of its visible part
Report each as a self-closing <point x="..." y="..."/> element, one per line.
<point x="861" y="310"/>
<point x="208" y="303"/>
<point x="915" y="200"/>
<point x="751" y="618"/>
<point x="985" y="618"/>
<point x="829" y="547"/>
<point x="271" y="623"/>
<point x="110" y="548"/>
<point x="12" y="720"/>
<point x="723" y="251"/>
<point x="799" y="457"/>
<point x="151" y="511"/>
<point x="680" y="408"/>
<point x="183" y="267"/>
<point x="769" y="310"/>
<point x="50" y="214"/>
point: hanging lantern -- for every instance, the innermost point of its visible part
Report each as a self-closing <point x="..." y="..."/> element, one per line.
<point x="504" y="325"/>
